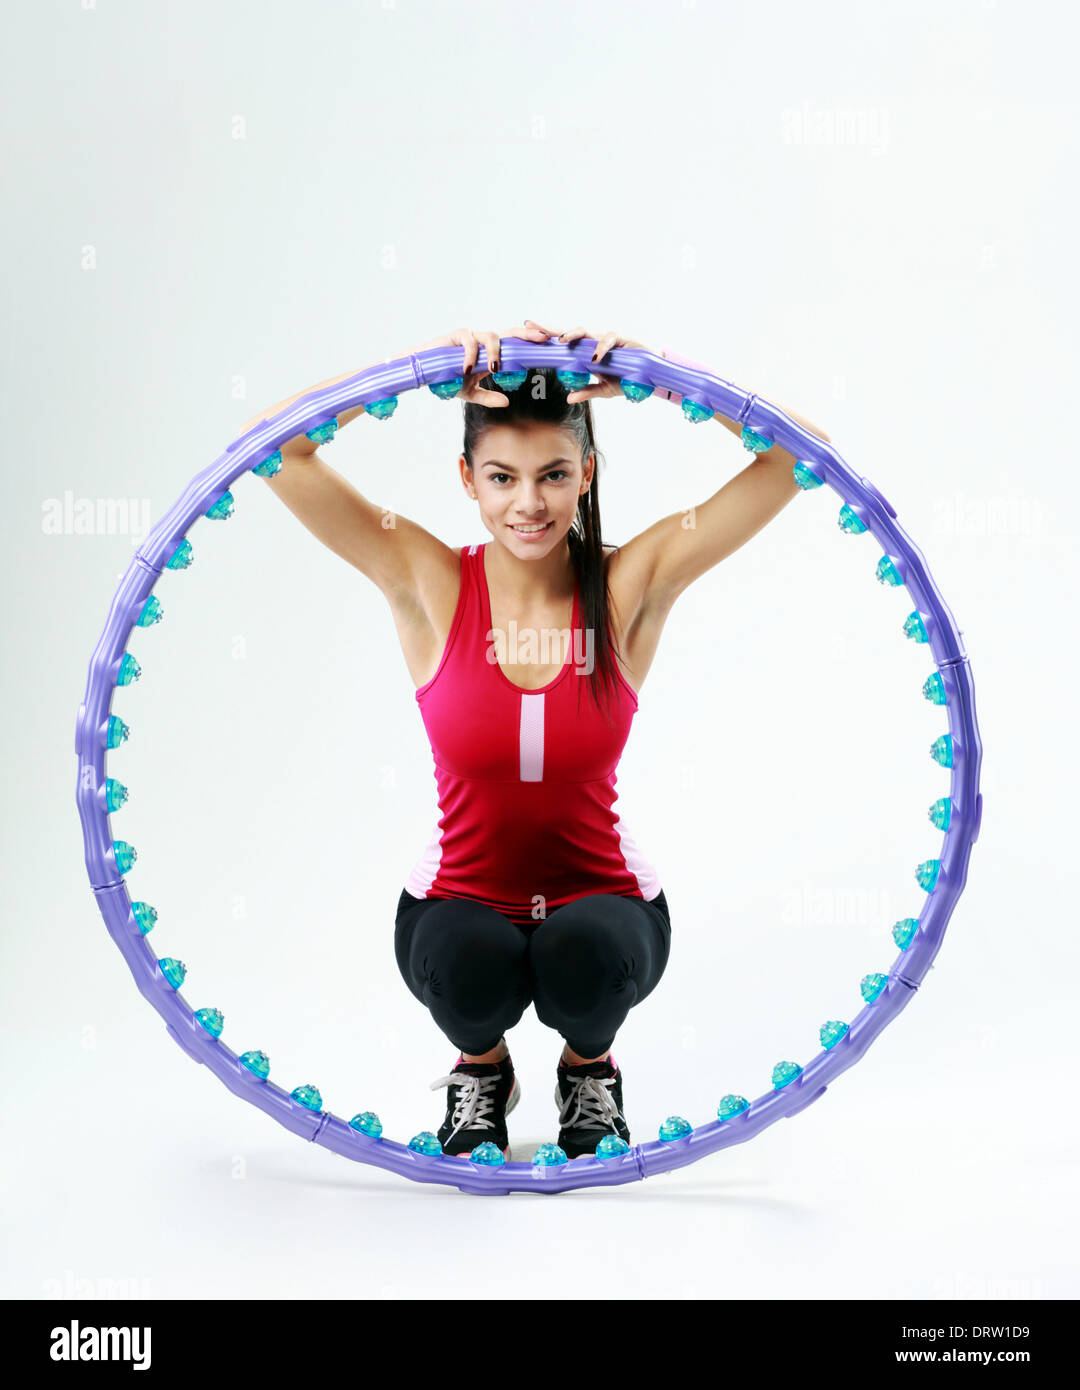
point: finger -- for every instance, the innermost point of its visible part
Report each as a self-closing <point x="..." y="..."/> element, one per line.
<point x="573" y="337"/>
<point x="479" y="395"/>
<point x="547" y="332"/>
<point x="493" y="347"/>
<point x="595" y="390"/>
<point x="587" y="393"/>
<point x="604" y="344"/>
<point x="467" y="340"/>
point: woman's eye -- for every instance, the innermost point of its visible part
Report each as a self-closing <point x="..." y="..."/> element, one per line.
<point x="554" y="473"/>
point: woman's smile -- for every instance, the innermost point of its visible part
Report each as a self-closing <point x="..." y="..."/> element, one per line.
<point x="530" y="529"/>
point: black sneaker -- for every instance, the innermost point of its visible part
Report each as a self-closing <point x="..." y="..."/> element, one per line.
<point x="479" y="1098"/>
<point x="590" y="1104"/>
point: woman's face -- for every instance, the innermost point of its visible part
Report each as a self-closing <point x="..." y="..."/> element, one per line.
<point x="527" y="480"/>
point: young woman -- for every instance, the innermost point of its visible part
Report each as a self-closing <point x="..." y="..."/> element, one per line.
<point x="532" y="888"/>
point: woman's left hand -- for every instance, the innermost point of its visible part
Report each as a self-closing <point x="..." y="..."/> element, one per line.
<point x="606" y="385"/>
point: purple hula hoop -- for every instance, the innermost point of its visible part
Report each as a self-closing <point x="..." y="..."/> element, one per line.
<point x="670" y="377"/>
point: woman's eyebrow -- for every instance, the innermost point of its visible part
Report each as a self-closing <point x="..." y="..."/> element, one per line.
<point x="540" y="467"/>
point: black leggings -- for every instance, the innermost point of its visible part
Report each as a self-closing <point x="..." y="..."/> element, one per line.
<point x="586" y="965"/>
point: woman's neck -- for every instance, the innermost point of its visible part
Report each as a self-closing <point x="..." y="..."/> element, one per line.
<point x="549" y="579"/>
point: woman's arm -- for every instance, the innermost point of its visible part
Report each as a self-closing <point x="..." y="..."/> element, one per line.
<point x="680" y="548"/>
<point x="394" y="552"/>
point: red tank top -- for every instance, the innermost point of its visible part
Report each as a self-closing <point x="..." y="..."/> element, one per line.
<point x="525" y="778"/>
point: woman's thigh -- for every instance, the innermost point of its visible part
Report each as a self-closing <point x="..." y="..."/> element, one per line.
<point x="460" y="949"/>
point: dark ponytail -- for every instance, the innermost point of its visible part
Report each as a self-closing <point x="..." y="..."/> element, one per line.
<point x="542" y="398"/>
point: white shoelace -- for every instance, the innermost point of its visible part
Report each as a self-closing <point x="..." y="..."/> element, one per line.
<point x="590" y="1103"/>
<point x="474" y="1105"/>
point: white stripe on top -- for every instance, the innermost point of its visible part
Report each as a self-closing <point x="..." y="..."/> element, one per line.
<point x="531" y="738"/>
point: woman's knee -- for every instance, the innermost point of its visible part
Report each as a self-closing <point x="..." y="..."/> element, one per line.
<point x="578" y="955"/>
<point x="602" y="943"/>
<point x="466" y="948"/>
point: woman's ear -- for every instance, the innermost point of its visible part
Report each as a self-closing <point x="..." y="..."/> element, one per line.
<point x="466" y="476"/>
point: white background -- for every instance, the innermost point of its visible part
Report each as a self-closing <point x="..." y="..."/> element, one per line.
<point x="866" y="214"/>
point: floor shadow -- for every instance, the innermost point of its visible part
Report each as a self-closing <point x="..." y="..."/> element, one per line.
<point x="374" y="1183"/>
